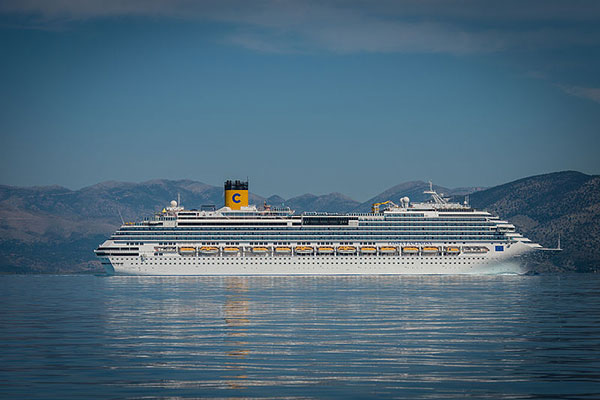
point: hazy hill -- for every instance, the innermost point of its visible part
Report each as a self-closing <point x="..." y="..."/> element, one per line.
<point x="276" y="200"/>
<point x="544" y="206"/>
<point x="54" y="229"/>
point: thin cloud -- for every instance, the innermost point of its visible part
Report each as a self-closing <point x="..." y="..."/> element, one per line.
<point x="267" y="43"/>
<point x="280" y="26"/>
<point x="368" y="37"/>
<point x="507" y="10"/>
<point x="589" y="93"/>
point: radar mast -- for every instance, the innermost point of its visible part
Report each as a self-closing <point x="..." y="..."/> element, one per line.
<point x="437" y="199"/>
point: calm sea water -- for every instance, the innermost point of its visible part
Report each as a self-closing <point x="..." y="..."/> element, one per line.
<point x="300" y="337"/>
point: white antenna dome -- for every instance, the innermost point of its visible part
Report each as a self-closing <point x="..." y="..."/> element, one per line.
<point x="406" y="199"/>
<point x="173" y="203"/>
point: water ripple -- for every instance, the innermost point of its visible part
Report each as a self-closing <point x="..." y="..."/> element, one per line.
<point x="498" y="337"/>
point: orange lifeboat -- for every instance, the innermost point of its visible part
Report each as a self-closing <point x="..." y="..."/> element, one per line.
<point x="387" y="250"/>
<point x="325" y="250"/>
<point x="430" y="250"/>
<point x="208" y="250"/>
<point x="231" y="251"/>
<point x="452" y="250"/>
<point x="304" y="250"/>
<point x="368" y="250"/>
<point x="283" y="250"/>
<point x="346" y="250"/>
<point x="260" y="250"/>
<point x="187" y="251"/>
<point x="410" y="250"/>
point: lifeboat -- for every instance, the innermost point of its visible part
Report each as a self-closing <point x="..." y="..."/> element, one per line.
<point x="475" y="249"/>
<point x="187" y="251"/>
<point x="410" y="250"/>
<point x="208" y="250"/>
<point x="430" y="250"/>
<point x="325" y="250"/>
<point x="452" y="250"/>
<point x="388" y="250"/>
<point x="283" y="250"/>
<point x="260" y="250"/>
<point x="231" y="251"/>
<point x="368" y="250"/>
<point x="346" y="250"/>
<point x="304" y="250"/>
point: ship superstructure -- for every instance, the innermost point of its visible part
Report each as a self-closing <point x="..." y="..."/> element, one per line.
<point x="435" y="237"/>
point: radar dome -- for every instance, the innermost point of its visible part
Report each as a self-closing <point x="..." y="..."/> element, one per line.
<point x="173" y="203"/>
<point x="406" y="200"/>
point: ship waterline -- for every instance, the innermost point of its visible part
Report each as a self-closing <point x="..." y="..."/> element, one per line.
<point x="273" y="266"/>
<point x="436" y="237"/>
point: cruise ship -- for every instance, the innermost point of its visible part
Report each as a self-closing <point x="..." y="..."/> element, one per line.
<point x="434" y="237"/>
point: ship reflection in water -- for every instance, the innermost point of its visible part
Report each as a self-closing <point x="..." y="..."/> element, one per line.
<point x="236" y="319"/>
<point x="337" y="337"/>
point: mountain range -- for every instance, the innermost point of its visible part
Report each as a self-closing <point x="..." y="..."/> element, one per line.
<point x="52" y="229"/>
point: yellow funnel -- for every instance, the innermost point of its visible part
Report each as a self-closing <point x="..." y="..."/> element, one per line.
<point x="236" y="194"/>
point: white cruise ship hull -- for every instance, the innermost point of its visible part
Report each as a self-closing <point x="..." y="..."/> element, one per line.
<point x="413" y="238"/>
<point x="494" y="263"/>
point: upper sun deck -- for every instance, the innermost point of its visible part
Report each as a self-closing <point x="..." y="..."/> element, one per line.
<point x="437" y="206"/>
<point x="244" y="212"/>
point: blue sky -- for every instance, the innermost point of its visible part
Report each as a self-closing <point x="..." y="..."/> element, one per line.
<point x="299" y="96"/>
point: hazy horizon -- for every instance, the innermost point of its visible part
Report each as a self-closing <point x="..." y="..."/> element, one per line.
<point x="362" y="199"/>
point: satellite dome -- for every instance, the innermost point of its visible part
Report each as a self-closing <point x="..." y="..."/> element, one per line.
<point x="173" y="203"/>
<point x="406" y="199"/>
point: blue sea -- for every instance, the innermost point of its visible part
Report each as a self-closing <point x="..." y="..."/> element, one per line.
<point x="413" y="337"/>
